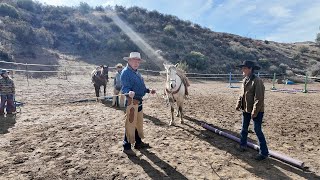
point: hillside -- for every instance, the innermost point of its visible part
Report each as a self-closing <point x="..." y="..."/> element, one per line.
<point x="33" y="32"/>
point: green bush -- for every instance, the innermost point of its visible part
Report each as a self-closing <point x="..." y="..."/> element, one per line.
<point x="84" y="8"/>
<point x="318" y="39"/>
<point x="196" y="60"/>
<point x="264" y="62"/>
<point x="168" y="41"/>
<point x="283" y="67"/>
<point x="170" y="29"/>
<point x="24" y="33"/>
<point x="274" y="69"/>
<point x="296" y="56"/>
<point x="86" y="25"/>
<point x="114" y="44"/>
<point x="106" y="18"/>
<point x="56" y="26"/>
<point x="8" y="10"/>
<point x="5" y="55"/>
<point x="315" y="70"/>
<point x="114" y="27"/>
<point x="26" y="4"/>
<point x="99" y="8"/>
<point x="44" y="37"/>
<point x="87" y="41"/>
<point x="303" y="49"/>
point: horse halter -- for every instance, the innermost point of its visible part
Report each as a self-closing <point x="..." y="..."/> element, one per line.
<point x="170" y="90"/>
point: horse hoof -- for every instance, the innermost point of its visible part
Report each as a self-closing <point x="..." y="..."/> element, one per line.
<point x="177" y="115"/>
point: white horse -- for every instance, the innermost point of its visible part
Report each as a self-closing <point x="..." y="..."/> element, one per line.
<point x="175" y="91"/>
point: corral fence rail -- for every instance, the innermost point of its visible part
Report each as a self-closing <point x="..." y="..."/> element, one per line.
<point x="66" y="70"/>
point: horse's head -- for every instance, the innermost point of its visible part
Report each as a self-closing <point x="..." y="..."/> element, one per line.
<point x="104" y="71"/>
<point x="171" y="71"/>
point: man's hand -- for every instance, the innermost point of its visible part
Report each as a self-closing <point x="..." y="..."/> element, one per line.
<point x="253" y="116"/>
<point x="131" y="94"/>
<point x="237" y="109"/>
<point x="152" y="91"/>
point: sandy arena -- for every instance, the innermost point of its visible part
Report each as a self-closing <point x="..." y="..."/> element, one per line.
<point x="50" y="140"/>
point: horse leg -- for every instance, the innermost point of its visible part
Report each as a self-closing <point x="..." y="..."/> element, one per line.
<point x="181" y="114"/>
<point x="172" y="116"/>
<point x="104" y="89"/>
<point x="97" y="89"/>
<point x="178" y="113"/>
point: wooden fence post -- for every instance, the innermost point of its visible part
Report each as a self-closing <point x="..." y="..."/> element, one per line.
<point x="65" y="71"/>
<point x="27" y="73"/>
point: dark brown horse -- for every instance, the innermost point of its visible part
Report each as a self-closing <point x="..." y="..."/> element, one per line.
<point x="100" y="78"/>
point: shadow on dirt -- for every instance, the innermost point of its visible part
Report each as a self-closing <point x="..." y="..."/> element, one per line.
<point x="152" y="172"/>
<point x="267" y="169"/>
<point x="7" y="122"/>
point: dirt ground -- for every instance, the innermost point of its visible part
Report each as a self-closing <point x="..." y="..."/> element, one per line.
<point x="47" y="140"/>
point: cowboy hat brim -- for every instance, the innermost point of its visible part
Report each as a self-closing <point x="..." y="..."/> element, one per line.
<point x="127" y="58"/>
<point x="254" y="67"/>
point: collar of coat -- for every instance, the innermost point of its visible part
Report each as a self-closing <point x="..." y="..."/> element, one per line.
<point x="249" y="78"/>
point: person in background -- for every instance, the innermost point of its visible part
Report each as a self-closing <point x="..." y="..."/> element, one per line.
<point x="117" y="85"/>
<point x="7" y="91"/>
<point x="251" y="103"/>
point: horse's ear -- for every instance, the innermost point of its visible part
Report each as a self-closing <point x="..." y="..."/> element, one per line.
<point x="165" y="65"/>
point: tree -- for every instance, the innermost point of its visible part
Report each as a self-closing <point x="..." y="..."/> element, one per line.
<point x="84" y="8"/>
<point x="8" y="10"/>
<point x="318" y="39"/>
<point x="196" y="60"/>
<point x="303" y="49"/>
<point x="26" y="4"/>
<point x="170" y="29"/>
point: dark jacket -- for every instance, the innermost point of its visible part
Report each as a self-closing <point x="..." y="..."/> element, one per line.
<point x="251" y="99"/>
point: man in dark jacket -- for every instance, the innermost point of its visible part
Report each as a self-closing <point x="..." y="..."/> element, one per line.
<point x="251" y="103"/>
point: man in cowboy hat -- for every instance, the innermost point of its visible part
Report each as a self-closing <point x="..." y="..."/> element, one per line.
<point x="133" y="85"/>
<point x="7" y="91"/>
<point x="117" y="85"/>
<point x="251" y="103"/>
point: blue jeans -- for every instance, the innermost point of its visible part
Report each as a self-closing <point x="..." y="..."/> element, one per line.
<point x="126" y="145"/>
<point x="257" y="121"/>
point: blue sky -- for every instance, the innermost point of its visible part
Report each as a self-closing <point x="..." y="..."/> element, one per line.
<point x="276" y="20"/>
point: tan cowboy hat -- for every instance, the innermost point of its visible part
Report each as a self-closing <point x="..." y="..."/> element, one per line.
<point x="133" y="55"/>
<point x="119" y="65"/>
